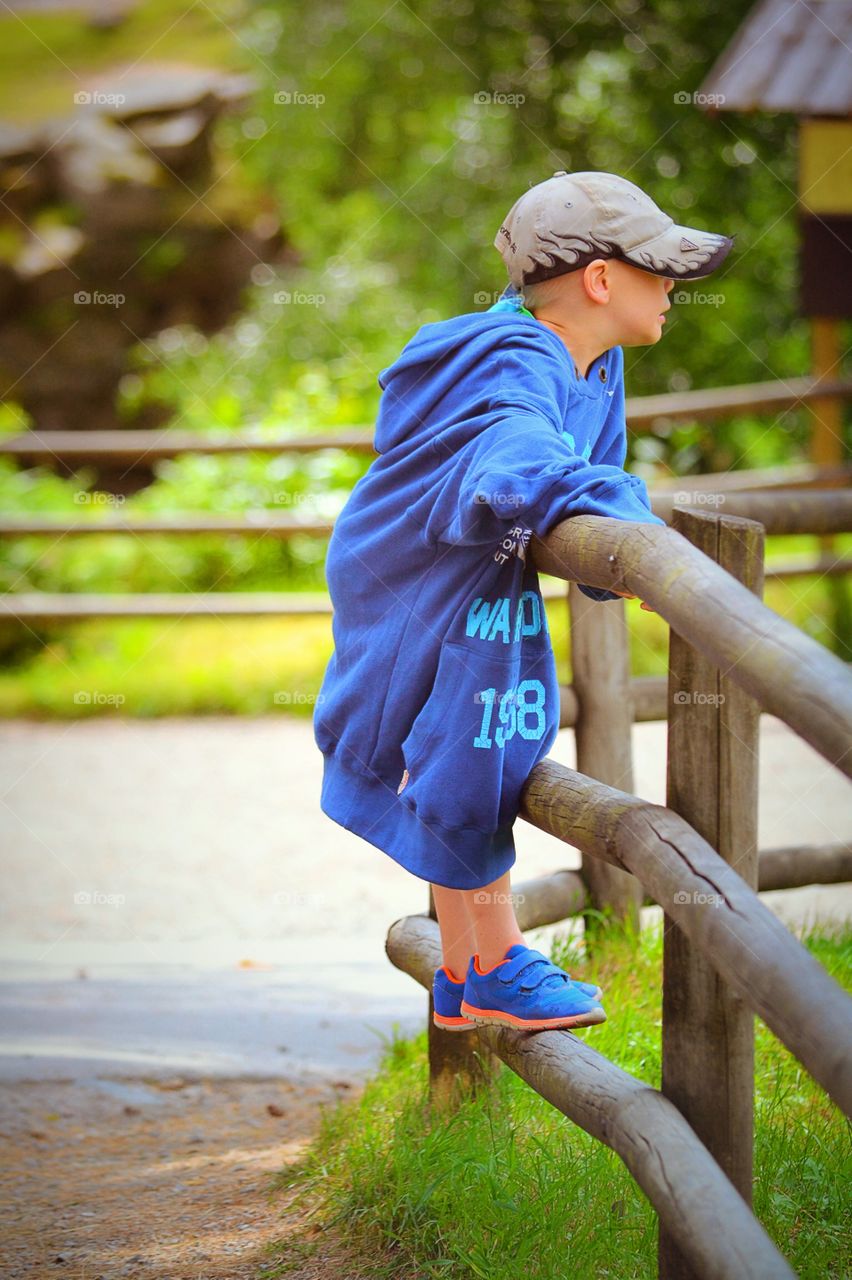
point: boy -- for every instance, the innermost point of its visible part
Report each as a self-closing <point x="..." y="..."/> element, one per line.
<point x="441" y="694"/>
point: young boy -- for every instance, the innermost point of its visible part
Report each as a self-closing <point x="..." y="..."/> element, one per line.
<point x="441" y="694"/>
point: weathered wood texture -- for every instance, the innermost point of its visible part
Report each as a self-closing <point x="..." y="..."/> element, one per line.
<point x="458" y="1061"/>
<point x="748" y="945"/>
<point x="549" y="899"/>
<point x="706" y="1215"/>
<point x="808" y="864"/>
<point x="777" y="869"/>
<point x="790" y="675"/>
<point x="712" y="755"/>
<point x="649" y="697"/>
<point x="600" y="666"/>
<point x="778" y="510"/>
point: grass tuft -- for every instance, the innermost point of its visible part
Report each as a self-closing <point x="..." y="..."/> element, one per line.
<point x="507" y="1187"/>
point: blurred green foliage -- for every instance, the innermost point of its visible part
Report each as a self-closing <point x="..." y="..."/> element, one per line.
<point x="381" y="137"/>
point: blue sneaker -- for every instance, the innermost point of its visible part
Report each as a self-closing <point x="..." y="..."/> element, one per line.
<point x="527" y="991"/>
<point x="446" y="1000"/>
<point x="447" y="995"/>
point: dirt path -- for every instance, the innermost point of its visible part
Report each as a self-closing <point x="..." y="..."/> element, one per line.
<point x="158" y="1180"/>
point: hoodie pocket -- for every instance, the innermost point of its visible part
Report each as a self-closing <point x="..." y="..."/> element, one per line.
<point x="488" y="720"/>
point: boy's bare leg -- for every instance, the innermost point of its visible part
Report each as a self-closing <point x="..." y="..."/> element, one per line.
<point x="458" y="940"/>
<point x="494" y="922"/>
<point x="476" y="920"/>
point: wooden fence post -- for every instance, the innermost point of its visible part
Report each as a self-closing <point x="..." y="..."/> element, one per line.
<point x="600" y="666"/>
<point x="459" y="1061"/>
<point x="712" y="776"/>
<point x="826" y="449"/>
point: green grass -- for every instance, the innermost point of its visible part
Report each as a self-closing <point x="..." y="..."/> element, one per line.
<point x="161" y="667"/>
<point x="507" y="1187"/>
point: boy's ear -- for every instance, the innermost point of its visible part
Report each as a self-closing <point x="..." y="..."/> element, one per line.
<point x="597" y="280"/>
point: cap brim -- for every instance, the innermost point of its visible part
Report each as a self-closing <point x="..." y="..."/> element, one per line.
<point x="682" y="253"/>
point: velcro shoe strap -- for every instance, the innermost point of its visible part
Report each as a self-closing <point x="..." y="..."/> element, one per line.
<point x="509" y="971"/>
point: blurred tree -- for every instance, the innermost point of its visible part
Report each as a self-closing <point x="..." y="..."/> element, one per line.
<point x="409" y="134"/>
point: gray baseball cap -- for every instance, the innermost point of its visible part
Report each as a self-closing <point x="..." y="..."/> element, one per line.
<point x="567" y="221"/>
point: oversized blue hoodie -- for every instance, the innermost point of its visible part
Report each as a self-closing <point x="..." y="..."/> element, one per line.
<point x="441" y="693"/>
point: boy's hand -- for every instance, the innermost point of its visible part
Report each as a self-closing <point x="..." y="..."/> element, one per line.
<point x="630" y="596"/>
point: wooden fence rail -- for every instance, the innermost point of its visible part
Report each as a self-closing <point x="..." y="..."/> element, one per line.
<point x="758" y="957"/>
<point x="640" y="411"/>
<point x="783" y="511"/>
<point x="565" y="893"/>
<point x="726" y="955"/>
<point x="789" y="868"/>
<point x="648" y="694"/>
<point x="790" y="675"/>
<point x="705" y="1213"/>
<point x="780" y="511"/>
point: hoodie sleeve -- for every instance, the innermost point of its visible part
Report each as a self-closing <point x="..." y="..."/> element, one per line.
<point x="522" y="468"/>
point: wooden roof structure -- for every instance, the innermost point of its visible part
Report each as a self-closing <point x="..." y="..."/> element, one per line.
<point x="788" y="55"/>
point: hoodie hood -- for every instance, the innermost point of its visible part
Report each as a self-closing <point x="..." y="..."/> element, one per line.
<point x="445" y="356"/>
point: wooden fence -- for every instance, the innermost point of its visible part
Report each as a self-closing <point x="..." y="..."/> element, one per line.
<point x="781" y="498"/>
<point x="787" y="510"/>
<point x="726" y="955"/>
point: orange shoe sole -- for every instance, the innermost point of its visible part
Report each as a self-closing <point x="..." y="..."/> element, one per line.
<point x="452" y="1024"/>
<point x="485" y="1017"/>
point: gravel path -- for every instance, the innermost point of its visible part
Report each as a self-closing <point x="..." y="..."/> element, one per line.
<point x="171" y="1179"/>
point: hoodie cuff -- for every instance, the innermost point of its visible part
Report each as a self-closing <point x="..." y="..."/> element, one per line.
<point x="598" y="593"/>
